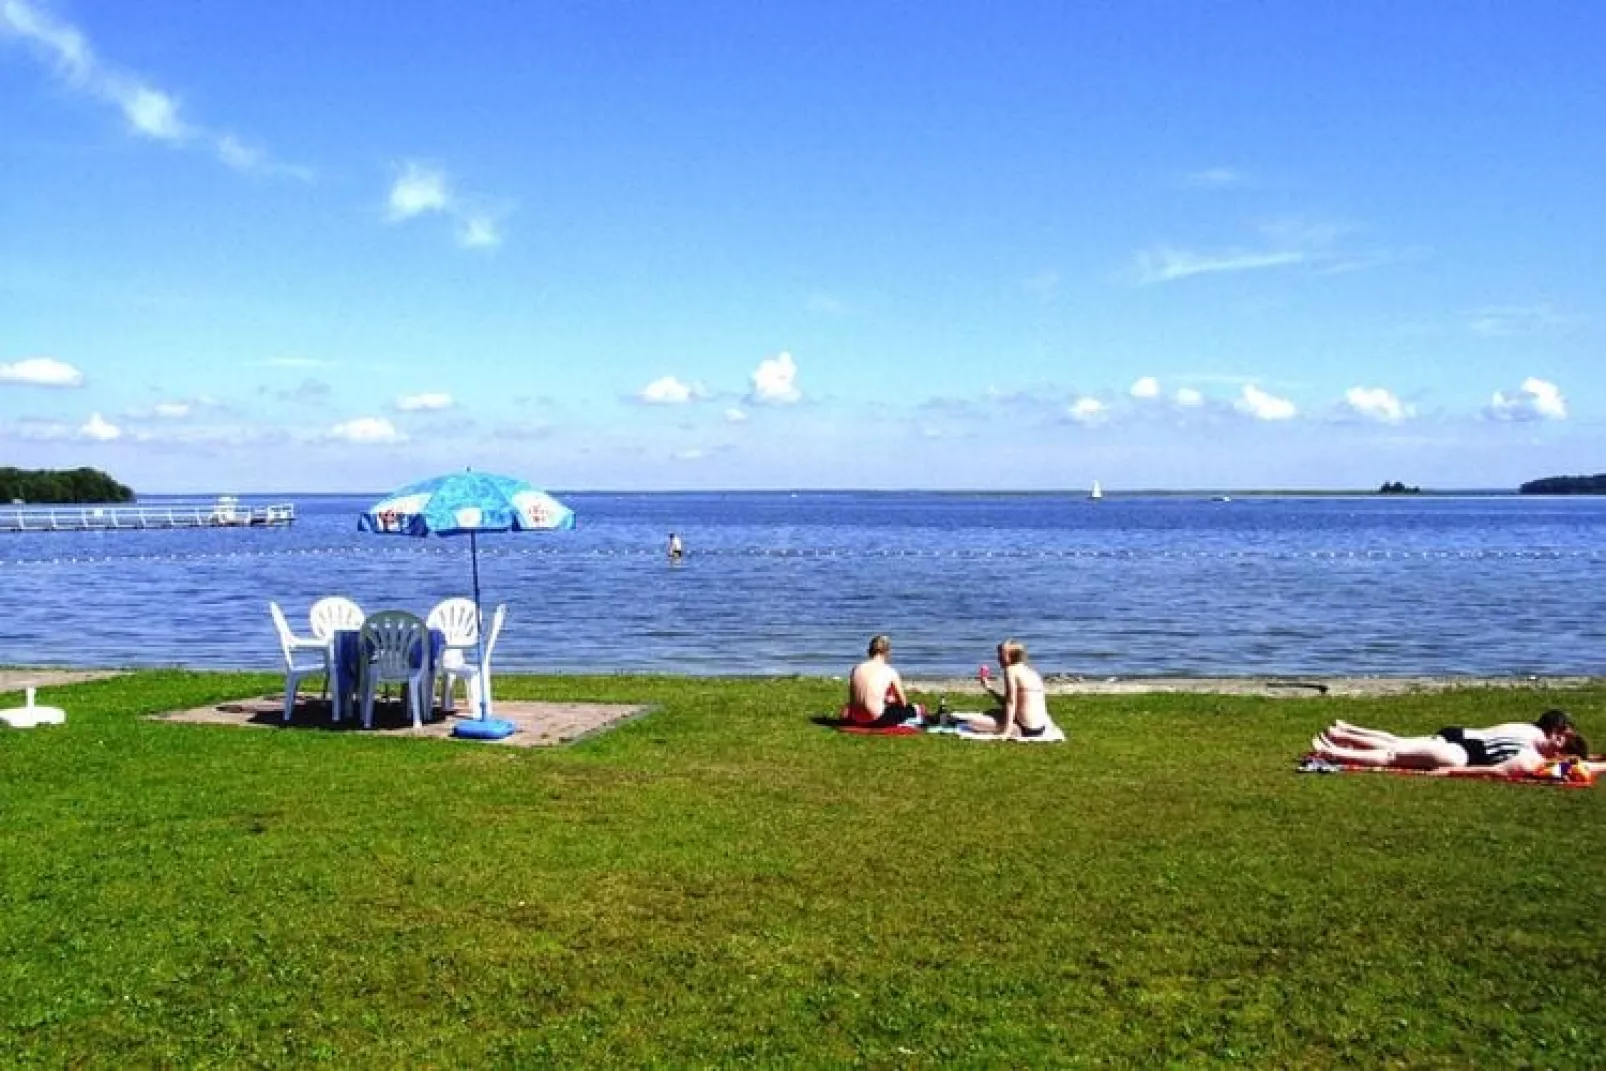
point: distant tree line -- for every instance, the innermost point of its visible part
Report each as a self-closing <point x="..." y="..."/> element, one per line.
<point x="68" y="485"/>
<point x="1566" y="485"/>
<point x="1397" y="488"/>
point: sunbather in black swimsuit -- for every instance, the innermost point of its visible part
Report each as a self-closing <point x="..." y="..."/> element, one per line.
<point x="1489" y="751"/>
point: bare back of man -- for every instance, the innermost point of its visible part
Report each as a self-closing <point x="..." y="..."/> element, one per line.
<point x="875" y="689"/>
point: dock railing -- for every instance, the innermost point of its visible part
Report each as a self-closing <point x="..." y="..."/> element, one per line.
<point x="91" y="518"/>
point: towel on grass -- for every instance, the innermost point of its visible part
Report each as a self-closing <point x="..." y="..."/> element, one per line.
<point x="1561" y="774"/>
<point x="1052" y="735"/>
<point x="908" y="728"/>
<point x="851" y="719"/>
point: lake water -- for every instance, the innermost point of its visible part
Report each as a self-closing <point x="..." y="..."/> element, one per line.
<point x="795" y="583"/>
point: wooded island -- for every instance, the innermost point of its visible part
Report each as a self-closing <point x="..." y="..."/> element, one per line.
<point x="1566" y="485"/>
<point x="54" y="487"/>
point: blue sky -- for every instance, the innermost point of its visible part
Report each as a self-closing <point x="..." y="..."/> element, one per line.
<point x="315" y="246"/>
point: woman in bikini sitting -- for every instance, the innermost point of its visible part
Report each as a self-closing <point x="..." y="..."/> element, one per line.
<point x="1498" y="751"/>
<point x="1024" y="705"/>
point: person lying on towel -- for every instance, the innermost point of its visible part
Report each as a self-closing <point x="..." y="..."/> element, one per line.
<point x="875" y="691"/>
<point x="1513" y="750"/>
<point x="1023" y="705"/>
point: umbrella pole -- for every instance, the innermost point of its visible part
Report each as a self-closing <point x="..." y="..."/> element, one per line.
<point x="479" y="621"/>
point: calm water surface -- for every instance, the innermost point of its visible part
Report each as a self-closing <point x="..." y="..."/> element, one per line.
<point x="795" y="583"/>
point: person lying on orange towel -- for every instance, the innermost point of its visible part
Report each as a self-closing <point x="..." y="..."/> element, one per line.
<point x="1518" y="749"/>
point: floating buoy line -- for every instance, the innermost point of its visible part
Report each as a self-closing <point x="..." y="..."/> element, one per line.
<point x="850" y="553"/>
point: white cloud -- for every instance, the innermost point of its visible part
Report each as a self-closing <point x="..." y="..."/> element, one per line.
<point x="99" y="429"/>
<point x="1145" y="387"/>
<point x="421" y="189"/>
<point x="690" y="454"/>
<point x="151" y="112"/>
<point x="172" y="410"/>
<point x="1263" y="406"/>
<point x="1536" y="399"/>
<point x="1376" y="403"/>
<point x="1188" y="398"/>
<point x="367" y="431"/>
<point x="424" y="403"/>
<point x="775" y="382"/>
<point x="735" y="416"/>
<point x="668" y="390"/>
<point x="418" y="189"/>
<point x="41" y="372"/>
<point x="1087" y="411"/>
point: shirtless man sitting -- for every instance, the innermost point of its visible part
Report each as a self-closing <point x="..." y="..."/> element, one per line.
<point x="876" y="699"/>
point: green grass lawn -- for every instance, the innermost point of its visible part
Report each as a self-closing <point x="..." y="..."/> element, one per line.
<point x="723" y="881"/>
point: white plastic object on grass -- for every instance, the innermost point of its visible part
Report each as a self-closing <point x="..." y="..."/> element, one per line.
<point x="26" y="717"/>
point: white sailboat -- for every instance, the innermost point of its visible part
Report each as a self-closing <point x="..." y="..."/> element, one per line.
<point x="1097" y="492"/>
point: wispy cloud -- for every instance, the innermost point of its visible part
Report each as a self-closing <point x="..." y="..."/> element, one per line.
<point x="421" y="189"/>
<point x="309" y="390"/>
<point x="1214" y="178"/>
<point x="1495" y="321"/>
<point x="824" y="304"/>
<point x="41" y="372"/>
<point x="735" y="416"/>
<point x="1164" y="264"/>
<point x="1536" y="399"/>
<point x="1044" y="285"/>
<point x="424" y="403"/>
<point x="149" y="111"/>
<point x="478" y="232"/>
<point x="1282" y="244"/>
<point x="291" y="362"/>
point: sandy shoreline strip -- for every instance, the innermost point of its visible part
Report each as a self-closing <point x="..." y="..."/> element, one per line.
<point x="16" y="679"/>
<point x="1288" y="687"/>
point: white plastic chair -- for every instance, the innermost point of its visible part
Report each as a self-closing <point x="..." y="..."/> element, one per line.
<point x="459" y="621"/>
<point x="297" y="661"/>
<point x="395" y="646"/>
<point x="332" y="614"/>
<point x="475" y="675"/>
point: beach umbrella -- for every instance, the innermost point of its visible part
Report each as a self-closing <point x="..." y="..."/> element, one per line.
<point x="466" y="503"/>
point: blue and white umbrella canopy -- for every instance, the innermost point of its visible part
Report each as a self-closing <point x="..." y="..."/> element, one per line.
<point x="466" y="503"/>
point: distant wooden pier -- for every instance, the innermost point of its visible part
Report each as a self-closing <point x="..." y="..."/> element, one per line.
<point x="226" y="512"/>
